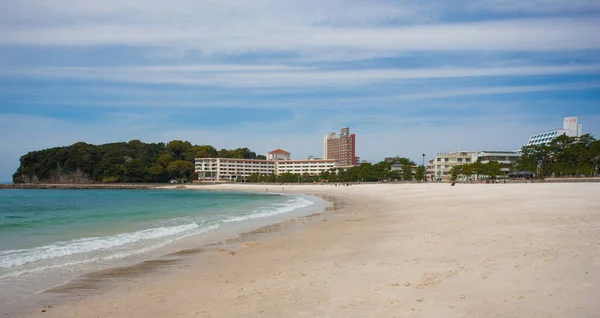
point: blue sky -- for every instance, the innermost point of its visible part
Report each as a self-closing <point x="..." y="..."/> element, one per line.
<point x="409" y="77"/>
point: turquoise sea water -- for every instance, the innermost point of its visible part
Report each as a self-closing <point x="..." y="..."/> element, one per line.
<point x="47" y="233"/>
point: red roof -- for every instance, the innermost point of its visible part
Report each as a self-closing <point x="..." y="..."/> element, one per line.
<point x="281" y="151"/>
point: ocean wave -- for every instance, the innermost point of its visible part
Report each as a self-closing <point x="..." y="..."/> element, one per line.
<point x="20" y="257"/>
<point x="290" y="205"/>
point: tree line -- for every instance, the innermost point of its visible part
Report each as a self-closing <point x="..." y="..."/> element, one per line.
<point x="365" y="172"/>
<point x="136" y="161"/>
<point x="491" y="169"/>
<point x="132" y="161"/>
<point x="563" y="157"/>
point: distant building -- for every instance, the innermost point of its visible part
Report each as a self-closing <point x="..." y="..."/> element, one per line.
<point x="570" y="128"/>
<point x="278" y="161"/>
<point x="342" y="148"/>
<point x="278" y="154"/>
<point x="329" y="136"/>
<point x="443" y="162"/>
<point x="506" y="158"/>
<point x="430" y="170"/>
<point x="228" y="169"/>
<point x="360" y="161"/>
<point x="304" y="167"/>
<point x="392" y="159"/>
<point x="396" y="167"/>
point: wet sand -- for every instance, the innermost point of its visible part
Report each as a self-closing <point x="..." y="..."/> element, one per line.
<point x="412" y="250"/>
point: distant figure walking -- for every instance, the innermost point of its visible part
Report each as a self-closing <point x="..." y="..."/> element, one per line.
<point x="453" y="183"/>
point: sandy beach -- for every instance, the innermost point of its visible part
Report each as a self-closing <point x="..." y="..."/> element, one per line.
<point x="389" y="250"/>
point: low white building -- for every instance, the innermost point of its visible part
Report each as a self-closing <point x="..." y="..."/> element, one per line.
<point x="303" y="167"/>
<point x="506" y="158"/>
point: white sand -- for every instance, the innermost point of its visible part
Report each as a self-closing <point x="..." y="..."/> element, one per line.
<point x="415" y="250"/>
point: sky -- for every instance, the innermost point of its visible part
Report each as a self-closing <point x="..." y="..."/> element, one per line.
<point x="407" y="76"/>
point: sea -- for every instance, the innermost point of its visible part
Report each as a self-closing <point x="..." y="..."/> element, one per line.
<point x="49" y="237"/>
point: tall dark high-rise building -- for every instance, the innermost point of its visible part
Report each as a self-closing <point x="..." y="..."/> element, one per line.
<point x="342" y="148"/>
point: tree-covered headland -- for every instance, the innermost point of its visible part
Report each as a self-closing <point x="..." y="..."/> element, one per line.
<point x="132" y="161"/>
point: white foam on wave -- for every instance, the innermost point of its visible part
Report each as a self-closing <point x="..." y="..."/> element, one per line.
<point x="85" y="245"/>
<point x="288" y="206"/>
<point x="108" y="257"/>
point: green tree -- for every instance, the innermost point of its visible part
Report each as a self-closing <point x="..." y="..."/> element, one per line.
<point x="224" y="153"/>
<point x="562" y="157"/>
<point x="455" y="172"/>
<point x="180" y="169"/>
<point x="420" y="173"/>
<point x="133" y="171"/>
<point x="493" y="169"/>
<point x="164" y="159"/>
<point x="407" y="171"/>
<point x="178" y="148"/>
<point x="157" y="173"/>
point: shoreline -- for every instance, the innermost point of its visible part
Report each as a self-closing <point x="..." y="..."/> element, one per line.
<point x="219" y="240"/>
<point x="198" y="185"/>
<point x="99" y="186"/>
<point x="426" y="250"/>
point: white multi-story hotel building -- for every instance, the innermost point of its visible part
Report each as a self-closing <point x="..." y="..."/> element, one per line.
<point x="443" y="162"/>
<point x="506" y="158"/>
<point x="228" y="169"/>
<point x="217" y="169"/>
<point x="571" y="128"/>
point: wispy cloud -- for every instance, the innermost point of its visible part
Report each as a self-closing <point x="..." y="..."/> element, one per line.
<point x="264" y="76"/>
<point x="505" y="35"/>
<point x="499" y="90"/>
<point x="535" y="6"/>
